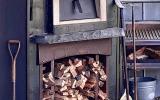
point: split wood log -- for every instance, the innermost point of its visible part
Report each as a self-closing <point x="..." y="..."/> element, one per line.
<point x="68" y="82"/>
<point x="102" y="95"/>
<point x="155" y="54"/>
<point x="90" y="60"/>
<point x="101" y="84"/>
<point x="103" y="76"/>
<point x="84" y="79"/>
<point x="48" y="80"/>
<point x="47" y="97"/>
<point x="60" y="82"/>
<point x="77" y="62"/>
<point x="79" y="97"/>
<point x="139" y="54"/>
<point x="63" y="88"/>
<point x="96" y="64"/>
<point x="70" y="92"/>
<point x="91" y="82"/>
<point x="65" y="93"/>
<point x="72" y="69"/>
<point x="50" y="76"/>
<point x="60" y="66"/>
<point x="81" y="66"/>
<point x="58" y="73"/>
<point x="81" y="81"/>
<point x="89" y="94"/>
<point x="76" y="92"/>
<point x="74" y="83"/>
<point x="87" y="74"/>
<point x="65" y="76"/>
<point x="59" y="97"/>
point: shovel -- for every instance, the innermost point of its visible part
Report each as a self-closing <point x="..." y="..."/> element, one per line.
<point x="14" y="44"/>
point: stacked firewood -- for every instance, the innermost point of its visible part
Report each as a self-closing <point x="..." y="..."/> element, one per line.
<point x="144" y="53"/>
<point x="76" y="79"/>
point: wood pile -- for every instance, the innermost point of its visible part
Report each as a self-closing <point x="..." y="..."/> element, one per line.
<point x="152" y="53"/>
<point x="145" y="52"/>
<point x="76" y="79"/>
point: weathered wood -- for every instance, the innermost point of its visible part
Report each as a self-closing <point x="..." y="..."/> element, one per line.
<point x="46" y="52"/>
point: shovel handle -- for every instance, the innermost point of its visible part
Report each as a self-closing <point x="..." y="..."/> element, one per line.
<point x="14" y="57"/>
<point x="10" y="42"/>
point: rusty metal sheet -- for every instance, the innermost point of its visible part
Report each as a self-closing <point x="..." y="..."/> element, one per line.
<point x="56" y="51"/>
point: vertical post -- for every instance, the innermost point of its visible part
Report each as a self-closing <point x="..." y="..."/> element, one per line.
<point x="107" y="69"/>
<point x="134" y="48"/>
<point x="52" y="70"/>
<point x="97" y="76"/>
<point x="41" y="82"/>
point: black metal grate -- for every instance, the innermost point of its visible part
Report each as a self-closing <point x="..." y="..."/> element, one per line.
<point x="145" y="34"/>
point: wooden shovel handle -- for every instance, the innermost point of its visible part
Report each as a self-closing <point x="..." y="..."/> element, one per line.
<point x="14" y="57"/>
<point x="14" y="41"/>
<point x="10" y="42"/>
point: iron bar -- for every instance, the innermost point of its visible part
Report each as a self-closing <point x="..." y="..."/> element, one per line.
<point x="134" y="47"/>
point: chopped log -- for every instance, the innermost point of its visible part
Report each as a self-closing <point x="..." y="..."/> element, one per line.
<point x="83" y="79"/>
<point x="83" y="72"/>
<point x="90" y="60"/>
<point x="58" y="73"/>
<point x="91" y="82"/>
<point x="85" y="98"/>
<point x="56" y="88"/>
<point x="87" y="74"/>
<point x="139" y="54"/>
<point x="63" y="88"/>
<point x="47" y="97"/>
<point x="59" y="82"/>
<point x="76" y="92"/>
<point x="81" y="66"/>
<point x="155" y="54"/>
<point x="65" y="94"/>
<point x="72" y="69"/>
<point x="60" y="66"/>
<point x="95" y="70"/>
<point x="102" y="95"/>
<point x="68" y="82"/>
<point x="67" y="68"/>
<point x="89" y="94"/>
<point x="79" y="97"/>
<point x="78" y="63"/>
<point x="101" y="84"/>
<point x="65" y="76"/>
<point x="70" y="92"/>
<point x="45" y="79"/>
<point x="50" y="76"/>
<point x="59" y="97"/>
<point x="103" y="76"/>
<point x="48" y="80"/>
<point x="74" y="84"/>
<point x="101" y="72"/>
<point x="96" y="64"/>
